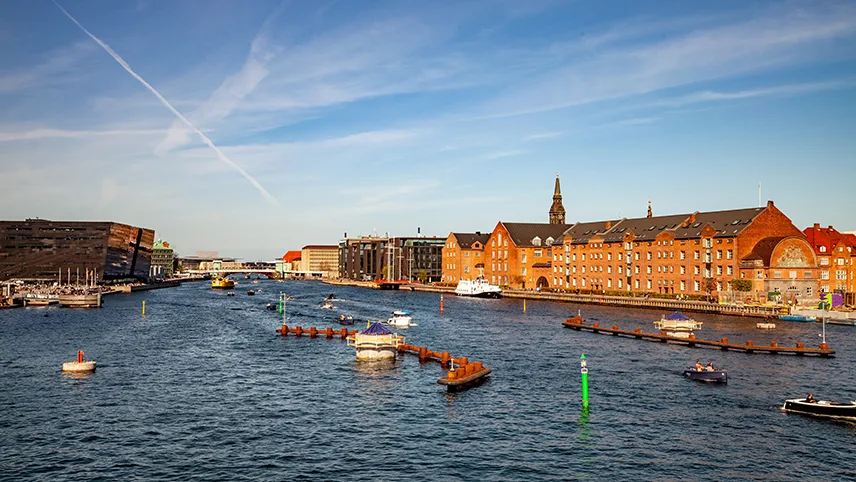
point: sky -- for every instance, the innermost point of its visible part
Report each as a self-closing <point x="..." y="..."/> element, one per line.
<point x="253" y="128"/>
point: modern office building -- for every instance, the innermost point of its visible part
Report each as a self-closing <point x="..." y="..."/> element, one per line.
<point x="43" y="249"/>
<point x="383" y="257"/>
<point x="320" y="258"/>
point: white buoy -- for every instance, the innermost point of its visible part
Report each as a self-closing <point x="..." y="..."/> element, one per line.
<point x="79" y="366"/>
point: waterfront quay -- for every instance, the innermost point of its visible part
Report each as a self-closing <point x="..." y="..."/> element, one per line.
<point x="203" y="383"/>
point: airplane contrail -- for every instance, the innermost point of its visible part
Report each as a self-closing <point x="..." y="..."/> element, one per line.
<point x="169" y="106"/>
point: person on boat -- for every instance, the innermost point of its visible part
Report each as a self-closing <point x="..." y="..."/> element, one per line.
<point x="810" y="398"/>
<point x="709" y="367"/>
<point x="698" y="366"/>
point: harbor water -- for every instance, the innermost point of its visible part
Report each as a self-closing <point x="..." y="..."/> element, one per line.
<point x="202" y="387"/>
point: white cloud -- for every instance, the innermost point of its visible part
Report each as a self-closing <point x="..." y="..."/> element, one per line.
<point x="543" y="135"/>
<point x="58" y="66"/>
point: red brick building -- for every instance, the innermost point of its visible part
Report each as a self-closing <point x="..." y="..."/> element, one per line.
<point x="695" y="254"/>
<point x="463" y="256"/>
<point x="836" y="258"/>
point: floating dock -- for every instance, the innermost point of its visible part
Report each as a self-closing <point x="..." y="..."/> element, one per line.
<point x="465" y="375"/>
<point x="313" y="332"/>
<point x="578" y="323"/>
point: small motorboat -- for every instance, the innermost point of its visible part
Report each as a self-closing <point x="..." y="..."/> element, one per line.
<point x="765" y="326"/>
<point x="327" y="305"/>
<point x="703" y="375"/>
<point x="821" y="408"/>
<point x="331" y="296"/>
<point x="231" y="293"/>
<point x="400" y="319"/>
<point x="251" y="292"/>
<point x="346" y="319"/>
<point x="270" y="307"/>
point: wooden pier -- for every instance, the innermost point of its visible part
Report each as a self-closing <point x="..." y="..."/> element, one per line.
<point x="313" y="332"/>
<point x="577" y="323"/>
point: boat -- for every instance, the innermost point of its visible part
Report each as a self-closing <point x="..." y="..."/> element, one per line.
<point x="327" y="305"/>
<point x="346" y="319"/>
<point x="231" y="293"/>
<point x="222" y="283"/>
<point x="478" y="288"/>
<point x="766" y="325"/>
<point x="270" y="307"/>
<point x="80" y="365"/>
<point x="821" y="408"/>
<point x="800" y="318"/>
<point x="400" y="319"/>
<point x="375" y="343"/>
<point x="251" y="292"/>
<point x="710" y="376"/>
<point x="331" y="296"/>
<point x="677" y="322"/>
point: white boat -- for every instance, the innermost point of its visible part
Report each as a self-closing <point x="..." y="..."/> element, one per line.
<point x="766" y="326"/>
<point x="400" y="319"/>
<point x="327" y="305"/>
<point x="478" y="288"/>
<point x="677" y="322"/>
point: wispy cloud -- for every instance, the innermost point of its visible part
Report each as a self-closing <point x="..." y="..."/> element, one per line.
<point x="169" y="106"/>
<point x="46" y="133"/>
<point x="774" y="91"/>
<point x="57" y="67"/>
<point x="543" y="135"/>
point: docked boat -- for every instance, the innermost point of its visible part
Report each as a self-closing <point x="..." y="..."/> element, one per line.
<point x="703" y="375"/>
<point x="821" y="408"/>
<point x="222" y="283"/>
<point x="677" y="322"/>
<point x="375" y="343"/>
<point x="251" y="292"/>
<point x="478" y="288"/>
<point x="80" y="365"/>
<point x="400" y="319"/>
<point x="346" y="319"/>
<point x="800" y="318"/>
<point x="766" y="325"/>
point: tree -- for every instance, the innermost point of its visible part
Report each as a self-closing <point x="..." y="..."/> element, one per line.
<point x="738" y="284"/>
<point x="422" y="275"/>
<point x="518" y="279"/>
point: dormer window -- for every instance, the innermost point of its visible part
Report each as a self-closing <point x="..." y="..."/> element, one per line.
<point x="549" y="241"/>
<point x="536" y="241"/>
<point x="823" y="249"/>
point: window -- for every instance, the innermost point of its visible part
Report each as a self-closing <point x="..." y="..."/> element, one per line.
<point x="609" y="256"/>
<point x="807" y="274"/>
<point x="636" y="255"/>
<point x="719" y="270"/>
<point x="729" y="270"/>
<point x="493" y="255"/>
<point x="537" y="253"/>
<point x="841" y="275"/>
<point x="683" y="285"/>
<point x="649" y="269"/>
<point x="840" y="261"/>
<point x="730" y="253"/>
<point x="583" y="269"/>
<point x="683" y="255"/>
<point x="823" y="249"/>
<point x="523" y="258"/>
<point x="696" y="269"/>
<point x="695" y="285"/>
<point x="636" y="284"/>
<point x="609" y="282"/>
<point x="505" y="266"/>
<point x="824" y="274"/>
<point x="718" y="254"/>
<point x="637" y="269"/>
<point x="620" y="270"/>
<point x="583" y="256"/>
<point x="649" y="284"/>
<point x="609" y="269"/>
<point x="648" y="256"/>
<point x="466" y="269"/>
<point x="493" y="266"/>
<point x="620" y="257"/>
<point x="824" y="261"/>
<point x="505" y="254"/>
<point x="792" y="275"/>
<point x="777" y="274"/>
<point x="808" y="290"/>
<point x="620" y="284"/>
<point x="696" y="255"/>
<point x="499" y="238"/>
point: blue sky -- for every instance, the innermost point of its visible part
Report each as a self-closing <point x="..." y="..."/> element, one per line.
<point x="355" y="116"/>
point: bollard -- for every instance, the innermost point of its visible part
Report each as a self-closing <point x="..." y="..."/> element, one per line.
<point x="750" y="343"/>
<point x="584" y="376"/>
<point x="724" y="341"/>
<point x="692" y="336"/>
<point x="452" y="375"/>
<point x="144" y="308"/>
<point x="774" y="344"/>
<point x="800" y="345"/>
<point x="824" y="346"/>
<point x="329" y="332"/>
<point x="524" y="305"/>
<point x="442" y="305"/>
<point x="313" y="332"/>
<point x="462" y="361"/>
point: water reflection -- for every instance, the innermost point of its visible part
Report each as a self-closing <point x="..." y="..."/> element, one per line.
<point x="583" y="423"/>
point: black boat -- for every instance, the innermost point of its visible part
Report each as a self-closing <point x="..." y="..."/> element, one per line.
<point x="331" y="296"/>
<point x="346" y="319"/>
<point x="251" y="292"/>
<point x="821" y="408"/>
<point x="711" y="376"/>
<point x="270" y="307"/>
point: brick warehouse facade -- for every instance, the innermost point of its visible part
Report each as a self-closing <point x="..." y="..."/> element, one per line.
<point x="463" y="256"/>
<point x="692" y="254"/>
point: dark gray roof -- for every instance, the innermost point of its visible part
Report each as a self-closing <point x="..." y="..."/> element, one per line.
<point x="727" y="224"/>
<point x="763" y="250"/>
<point x="522" y="234"/>
<point x="644" y="229"/>
<point x="466" y="240"/>
<point x="581" y="233"/>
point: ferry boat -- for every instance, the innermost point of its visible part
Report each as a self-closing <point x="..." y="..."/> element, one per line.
<point x="222" y="283"/>
<point x="400" y="319"/>
<point x="677" y="324"/>
<point x="800" y="318"/>
<point x="478" y="288"/>
<point x="376" y="343"/>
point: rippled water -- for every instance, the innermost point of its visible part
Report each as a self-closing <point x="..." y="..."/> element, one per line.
<point x="203" y="388"/>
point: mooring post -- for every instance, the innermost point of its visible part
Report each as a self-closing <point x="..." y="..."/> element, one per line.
<point x="584" y="372"/>
<point x="144" y="308"/>
<point x="524" y="305"/>
<point x="442" y="305"/>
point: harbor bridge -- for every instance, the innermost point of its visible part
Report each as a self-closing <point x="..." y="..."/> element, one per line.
<point x="271" y="273"/>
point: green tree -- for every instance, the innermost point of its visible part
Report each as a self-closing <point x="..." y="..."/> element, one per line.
<point x="422" y="275"/>
<point x="738" y="284"/>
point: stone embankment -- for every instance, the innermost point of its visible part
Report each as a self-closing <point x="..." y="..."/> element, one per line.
<point x="623" y="301"/>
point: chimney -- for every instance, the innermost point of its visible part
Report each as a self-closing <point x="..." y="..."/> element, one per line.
<point x="608" y="224"/>
<point x="478" y="233"/>
<point x="692" y="219"/>
<point x="770" y="203"/>
<point x="816" y="225"/>
<point x="346" y="235"/>
<point x="831" y="228"/>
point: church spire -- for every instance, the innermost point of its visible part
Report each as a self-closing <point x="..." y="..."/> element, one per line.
<point x="650" y="212"/>
<point x="557" y="211"/>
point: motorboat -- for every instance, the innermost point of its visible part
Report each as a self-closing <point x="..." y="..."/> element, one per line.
<point x="222" y="283"/>
<point x="331" y="296"/>
<point x="327" y="305"/>
<point x="478" y="288"/>
<point x="251" y="292"/>
<point x="703" y="375"/>
<point x="231" y="293"/>
<point x="270" y="307"/>
<point x="821" y="408"/>
<point x="400" y="319"/>
<point x="346" y="319"/>
<point x="677" y="322"/>
<point x="766" y="325"/>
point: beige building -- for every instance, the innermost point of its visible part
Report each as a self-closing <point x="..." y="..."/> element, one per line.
<point x="323" y="258"/>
